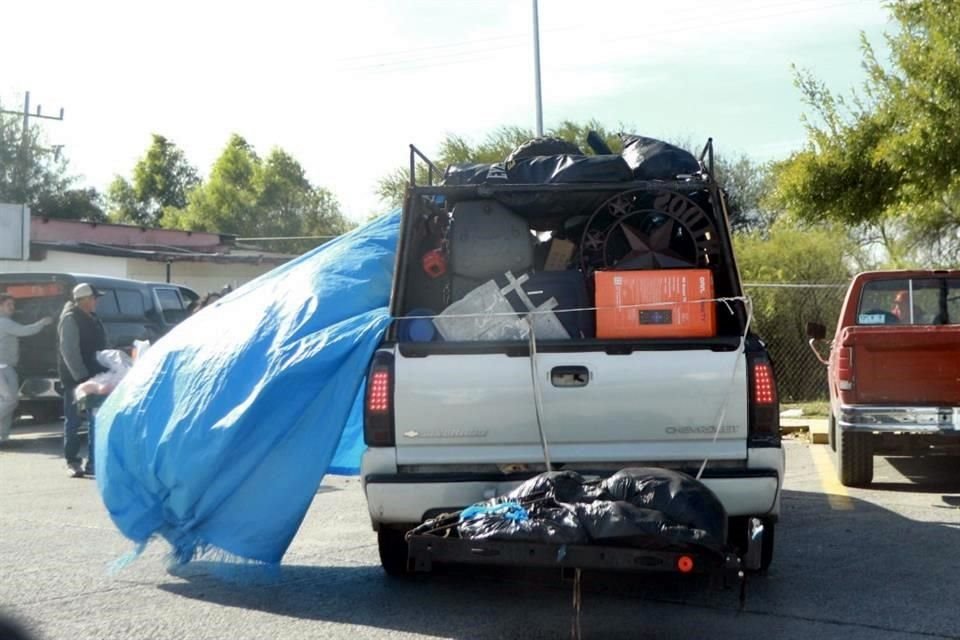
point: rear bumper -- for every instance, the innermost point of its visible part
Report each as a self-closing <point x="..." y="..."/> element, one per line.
<point x="424" y="550"/>
<point x="394" y="498"/>
<point x="900" y="419"/>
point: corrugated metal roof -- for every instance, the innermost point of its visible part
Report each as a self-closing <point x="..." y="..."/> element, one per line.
<point x="163" y="254"/>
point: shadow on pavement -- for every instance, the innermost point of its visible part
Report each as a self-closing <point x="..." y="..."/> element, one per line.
<point x="44" y="438"/>
<point x="862" y="572"/>
<point x="927" y="474"/>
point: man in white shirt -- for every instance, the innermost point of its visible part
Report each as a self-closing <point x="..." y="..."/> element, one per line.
<point x="10" y="334"/>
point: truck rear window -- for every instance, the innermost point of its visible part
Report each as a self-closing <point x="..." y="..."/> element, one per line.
<point x="641" y="264"/>
<point x="910" y="301"/>
<point x="36" y="300"/>
<point x="44" y="290"/>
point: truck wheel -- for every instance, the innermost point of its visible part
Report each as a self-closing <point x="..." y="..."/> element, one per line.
<point x="854" y="458"/>
<point x="737" y="536"/>
<point x="546" y="146"/>
<point x="393" y="551"/>
<point x="832" y="431"/>
<point x="766" y="549"/>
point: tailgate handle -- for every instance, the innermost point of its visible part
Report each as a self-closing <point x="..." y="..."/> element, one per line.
<point x="569" y="376"/>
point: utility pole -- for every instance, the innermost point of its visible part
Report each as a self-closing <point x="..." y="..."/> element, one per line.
<point x="536" y="67"/>
<point x="25" y="138"/>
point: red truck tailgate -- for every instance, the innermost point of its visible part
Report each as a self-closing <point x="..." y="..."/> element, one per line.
<point x="917" y="365"/>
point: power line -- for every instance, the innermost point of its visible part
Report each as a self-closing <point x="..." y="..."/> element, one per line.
<point x="25" y="138"/>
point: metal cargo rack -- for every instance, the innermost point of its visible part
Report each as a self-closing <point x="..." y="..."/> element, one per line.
<point x="706" y="159"/>
<point x="425" y="549"/>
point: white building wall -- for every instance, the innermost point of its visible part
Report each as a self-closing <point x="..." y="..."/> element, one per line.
<point x="202" y="277"/>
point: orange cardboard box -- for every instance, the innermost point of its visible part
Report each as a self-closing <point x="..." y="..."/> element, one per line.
<point x="663" y="303"/>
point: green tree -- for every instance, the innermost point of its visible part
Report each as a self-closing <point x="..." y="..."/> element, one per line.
<point x="162" y="179"/>
<point x="33" y="174"/>
<point x="883" y="160"/>
<point x="72" y="204"/>
<point x="250" y="196"/>
<point x="746" y="183"/>
<point x="788" y="254"/>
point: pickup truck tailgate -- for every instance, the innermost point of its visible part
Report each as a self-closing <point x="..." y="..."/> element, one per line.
<point x="642" y="406"/>
<point x="899" y="365"/>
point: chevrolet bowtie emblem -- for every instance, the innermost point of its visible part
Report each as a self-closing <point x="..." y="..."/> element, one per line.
<point x="411" y="434"/>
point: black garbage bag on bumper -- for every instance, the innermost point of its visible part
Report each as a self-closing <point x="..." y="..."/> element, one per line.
<point x="647" y="507"/>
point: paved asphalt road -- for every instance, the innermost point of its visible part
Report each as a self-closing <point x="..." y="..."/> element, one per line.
<point x="879" y="563"/>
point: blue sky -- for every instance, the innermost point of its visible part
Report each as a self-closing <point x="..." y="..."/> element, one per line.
<point x="345" y="87"/>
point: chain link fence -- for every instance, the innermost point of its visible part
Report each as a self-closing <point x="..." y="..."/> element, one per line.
<point x="780" y="316"/>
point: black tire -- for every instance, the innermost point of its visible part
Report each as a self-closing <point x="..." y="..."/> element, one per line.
<point x="546" y="146"/>
<point x="766" y="549"/>
<point x="832" y="431"/>
<point x="854" y="458"/>
<point x="393" y="552"/>
<point x="737" y="536"/>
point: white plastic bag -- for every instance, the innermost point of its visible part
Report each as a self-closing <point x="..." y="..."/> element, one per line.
<point x="140" y="348"/>
<point x="117" y="363"/>
<point x="490" y="316"/>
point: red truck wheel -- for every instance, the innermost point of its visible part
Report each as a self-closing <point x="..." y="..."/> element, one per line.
<point x="855" y="458"/>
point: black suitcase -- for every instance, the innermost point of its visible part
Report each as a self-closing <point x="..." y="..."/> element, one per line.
<point x="570" y="290"/>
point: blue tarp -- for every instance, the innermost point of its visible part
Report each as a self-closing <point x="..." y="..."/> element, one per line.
<point x="219" y="437"/>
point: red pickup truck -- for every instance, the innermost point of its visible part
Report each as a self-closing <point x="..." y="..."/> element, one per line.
<point x="893" y="368"/>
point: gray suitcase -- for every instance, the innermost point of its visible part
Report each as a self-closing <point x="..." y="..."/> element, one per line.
<point x="486" y="240"/>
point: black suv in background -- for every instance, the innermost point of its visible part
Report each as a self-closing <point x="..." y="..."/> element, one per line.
<point x="129" y="309"/>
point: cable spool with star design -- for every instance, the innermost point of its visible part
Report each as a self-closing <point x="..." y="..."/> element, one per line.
<point x="649" y="229"/>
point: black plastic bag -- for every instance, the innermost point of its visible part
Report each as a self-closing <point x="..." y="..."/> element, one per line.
<point x="551" y="519"/>
<point x="646" y="507"/>
<point x="559" y="169"/>
<point x="680" y="498"/>
<point x="568" y="169"/>
<point x="560" y="486"/>
<point x="474" y="173"/>
<point x="651" y="159"/>
<point x="548" y="523"/>
<point x="618" y="523"/>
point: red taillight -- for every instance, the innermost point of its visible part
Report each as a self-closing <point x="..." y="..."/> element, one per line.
<point x="764" y="416"/>
<point x="378" y="392"/>
<point x="845" y="368"/>
<point x="378" y="421"/>
<point x="764" y="387"/>
<point x="685" y="564"/>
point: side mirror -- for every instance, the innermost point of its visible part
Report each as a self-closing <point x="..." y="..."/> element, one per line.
<point x="816" y="331"/>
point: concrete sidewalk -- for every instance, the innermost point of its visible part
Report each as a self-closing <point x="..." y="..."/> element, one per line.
<point x="816" y="427"/>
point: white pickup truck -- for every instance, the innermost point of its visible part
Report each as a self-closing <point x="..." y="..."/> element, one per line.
<point x="449" y="423"/>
